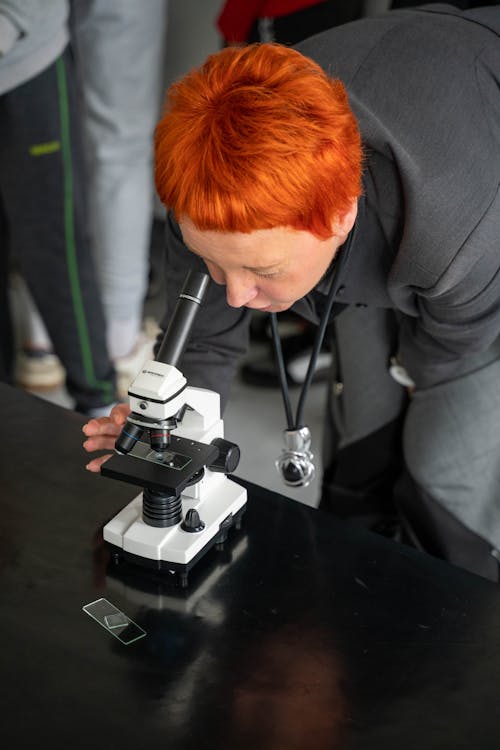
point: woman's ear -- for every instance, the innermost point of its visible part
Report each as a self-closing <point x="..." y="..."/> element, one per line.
<point x="345" y="222"/>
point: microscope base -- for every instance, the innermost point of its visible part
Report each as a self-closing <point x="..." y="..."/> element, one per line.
<point x="173" y="550"/>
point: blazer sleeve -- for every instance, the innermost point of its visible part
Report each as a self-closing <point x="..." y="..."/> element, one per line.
<point x="457" y="321"/>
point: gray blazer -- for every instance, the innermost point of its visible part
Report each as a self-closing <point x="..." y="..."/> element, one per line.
<point x="424" y="85"/>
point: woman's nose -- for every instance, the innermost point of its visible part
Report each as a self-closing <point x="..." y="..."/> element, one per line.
<point x="240" y="289"/>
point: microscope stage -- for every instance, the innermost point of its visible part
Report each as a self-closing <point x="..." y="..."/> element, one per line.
<point x="169" y="472"/>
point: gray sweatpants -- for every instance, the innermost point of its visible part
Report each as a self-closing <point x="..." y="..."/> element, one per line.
<point x="450" y="433"/>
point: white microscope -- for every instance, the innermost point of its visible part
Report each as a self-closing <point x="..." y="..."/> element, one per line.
<point x="173" y="447"/>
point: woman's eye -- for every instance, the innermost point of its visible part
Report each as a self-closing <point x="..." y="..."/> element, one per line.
<point x="267" y="274"/>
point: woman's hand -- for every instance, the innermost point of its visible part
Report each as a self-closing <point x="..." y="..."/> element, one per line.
<point x="101" y="434"/>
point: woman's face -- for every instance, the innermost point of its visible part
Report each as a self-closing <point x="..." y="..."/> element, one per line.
<point x="267" y="269"/>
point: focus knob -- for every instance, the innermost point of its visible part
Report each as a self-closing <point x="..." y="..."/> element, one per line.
<point x="192" y="522"/>
<point x="228" y="458"/>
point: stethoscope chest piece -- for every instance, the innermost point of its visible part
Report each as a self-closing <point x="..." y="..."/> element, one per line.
<point x="296" y="463"/>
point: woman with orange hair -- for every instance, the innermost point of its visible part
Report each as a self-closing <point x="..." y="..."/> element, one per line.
<point x="357" y="174"/>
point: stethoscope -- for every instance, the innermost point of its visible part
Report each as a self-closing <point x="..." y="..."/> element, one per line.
<point x="295" y="465"/>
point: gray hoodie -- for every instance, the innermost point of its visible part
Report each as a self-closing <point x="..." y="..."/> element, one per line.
<point x="33" y="33"/>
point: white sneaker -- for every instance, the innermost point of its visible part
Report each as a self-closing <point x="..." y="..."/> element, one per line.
<point x="127" y="368"/>
<point x="38" y="370"/>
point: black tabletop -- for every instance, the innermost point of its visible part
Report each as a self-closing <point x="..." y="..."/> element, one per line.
<point x="304" y="632"/>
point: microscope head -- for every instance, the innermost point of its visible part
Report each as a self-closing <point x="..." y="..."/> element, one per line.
<point x="157" y="392"/>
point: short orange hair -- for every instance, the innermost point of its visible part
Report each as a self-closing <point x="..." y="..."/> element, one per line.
<point x="258" y="137"/>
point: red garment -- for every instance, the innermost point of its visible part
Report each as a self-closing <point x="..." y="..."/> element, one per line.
<point x="237" y="16"/>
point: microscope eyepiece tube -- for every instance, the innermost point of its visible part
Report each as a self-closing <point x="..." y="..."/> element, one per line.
<point x="181" y="322"/>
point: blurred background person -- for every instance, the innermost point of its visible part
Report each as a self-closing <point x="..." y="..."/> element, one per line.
<point x="119" y="48"/>
<point x="282" y="21"/>
<point x="42" y="206"/>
